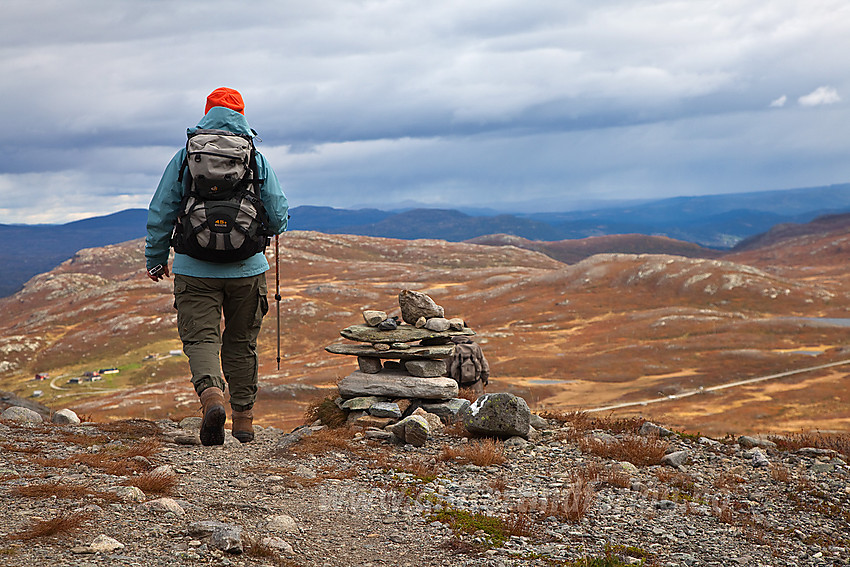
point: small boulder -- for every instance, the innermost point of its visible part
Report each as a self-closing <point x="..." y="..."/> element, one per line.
<point x="369" y="364"/>
<point x="295" y="436"/>
<point x="360" y="403"/>
<point x="650" y="429"/>
<point x="675" y="459"/>
<point x="227" y="538"/>
<point x="426" y="368"/>
<point x="105" y="544"/>
<point x="282" y="523"/>
<point x="748" y="442"/>
<point x="278" y="544"/>
<point x="415" y="304"/>
<point x="165" y="505"/>
<point x="385" y="409"/>
<point x="373" y="421"/>
<point x="204" y="528"/>
<point x="65" y="417"/>
<point x="21" y="415"/>
<point x="449" y="410"/>
<point x="413" y="429"/>
<point x="438" y="324"/>
<point x="397" y="385"/>
<point x="500" y="415"/>
<point x="759" y="459"/>
<point x="435" y="425"/>
<point x="538" y="422"/>
<point x="192" y="423"/>
<point x="129" y="493"/>
<point x="373" y="318"/>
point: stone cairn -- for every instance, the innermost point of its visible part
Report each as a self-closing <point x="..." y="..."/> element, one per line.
<point x="401" y="388"/>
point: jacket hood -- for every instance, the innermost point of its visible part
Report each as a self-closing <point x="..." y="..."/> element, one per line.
<point x="221" y="118"/>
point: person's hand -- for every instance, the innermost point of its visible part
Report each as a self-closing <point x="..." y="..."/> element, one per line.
<point x="158" y="272"/>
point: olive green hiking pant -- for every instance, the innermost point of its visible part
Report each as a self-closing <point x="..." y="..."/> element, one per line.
<point x="200" y="304"/>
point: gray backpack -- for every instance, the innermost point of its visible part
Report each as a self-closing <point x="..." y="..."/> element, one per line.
<point x="222" y="218"/>
<point x="465" y="366"/>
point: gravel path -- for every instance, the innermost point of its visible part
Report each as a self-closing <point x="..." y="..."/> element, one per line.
<point x="338" y="500"/>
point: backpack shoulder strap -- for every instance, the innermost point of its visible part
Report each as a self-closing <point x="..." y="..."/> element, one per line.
<point x="256" y="180"/>
<point x="183" y="167"/>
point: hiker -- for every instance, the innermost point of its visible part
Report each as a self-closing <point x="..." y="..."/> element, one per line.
<point x="468" y="366"/>
<point x="206" y="207"/>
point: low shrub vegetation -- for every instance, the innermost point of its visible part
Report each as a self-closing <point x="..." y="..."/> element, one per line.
<point x="484" y="453"/>
<point x="639" y="450"/>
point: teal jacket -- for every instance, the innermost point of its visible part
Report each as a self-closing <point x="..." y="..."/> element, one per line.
<point x="165" y="205"/>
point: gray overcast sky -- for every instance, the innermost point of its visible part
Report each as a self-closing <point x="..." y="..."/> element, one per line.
<point x="510" y="104"/>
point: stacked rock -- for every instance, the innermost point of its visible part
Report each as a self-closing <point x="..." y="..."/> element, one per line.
<point x="402" y="365"/>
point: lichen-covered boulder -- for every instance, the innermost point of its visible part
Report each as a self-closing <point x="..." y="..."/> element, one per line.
<point x="498" y="415"/>
<point x="413" y="429"/>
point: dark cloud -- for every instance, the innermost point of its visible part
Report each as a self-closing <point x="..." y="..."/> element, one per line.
<point x="441" y="102"/>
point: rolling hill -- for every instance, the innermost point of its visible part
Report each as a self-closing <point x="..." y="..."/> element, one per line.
<point x="611" y="328"/>
<point x="717" y="221"/>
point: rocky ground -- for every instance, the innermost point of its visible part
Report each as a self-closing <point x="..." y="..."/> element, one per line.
<point x="578" y="492"/>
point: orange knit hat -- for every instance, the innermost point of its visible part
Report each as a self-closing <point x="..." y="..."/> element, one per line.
<point x="227" y="98"/>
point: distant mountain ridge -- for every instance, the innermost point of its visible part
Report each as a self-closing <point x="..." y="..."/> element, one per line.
<point x="714" y="221"/>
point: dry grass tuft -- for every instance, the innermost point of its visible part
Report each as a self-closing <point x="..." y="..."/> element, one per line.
<point x="839" y="442"/>
<point x="62" y="491"/>
<point x="596" y="473"/>
<point x="456" y="429"/>
<point x="147" y="448"/>
<point x="729" y="480"/>
<point x="582" y="422"/>
<point x="569" y="505"/>
<point x="326" y="410"/>
<point x="111" y="464"/>
<point x="637" y="449"/>
<point x="324" y="440"/>
<point x="154" y="482"/>
<point x="82" y="439"/>
<point x="467" y="394"/>
<point x="63" y="524"/>
<point x="258" y="549"/>
<point x="520" y="524"/>
<point x="420" y="469"/>
<point x="130" y="429"/>
<point x="112" y="459"/>
<point x="483" y="453"/>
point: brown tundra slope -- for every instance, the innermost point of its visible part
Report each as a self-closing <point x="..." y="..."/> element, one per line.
<point x="608" y="330"/>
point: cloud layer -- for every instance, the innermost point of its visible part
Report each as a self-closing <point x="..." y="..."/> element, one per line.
<point x="500" y="103"/>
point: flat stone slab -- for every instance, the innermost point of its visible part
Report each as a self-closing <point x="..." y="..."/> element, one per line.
<point x="397" y="385"/>
<point x="412" y="353"/>
<point x="403" y="334"/>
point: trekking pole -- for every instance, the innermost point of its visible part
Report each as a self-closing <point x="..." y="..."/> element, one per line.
<point x="277" y="292"/>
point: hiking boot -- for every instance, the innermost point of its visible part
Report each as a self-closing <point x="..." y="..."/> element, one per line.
<point x="212" y="426"/>
<point x="243" y="425"/>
